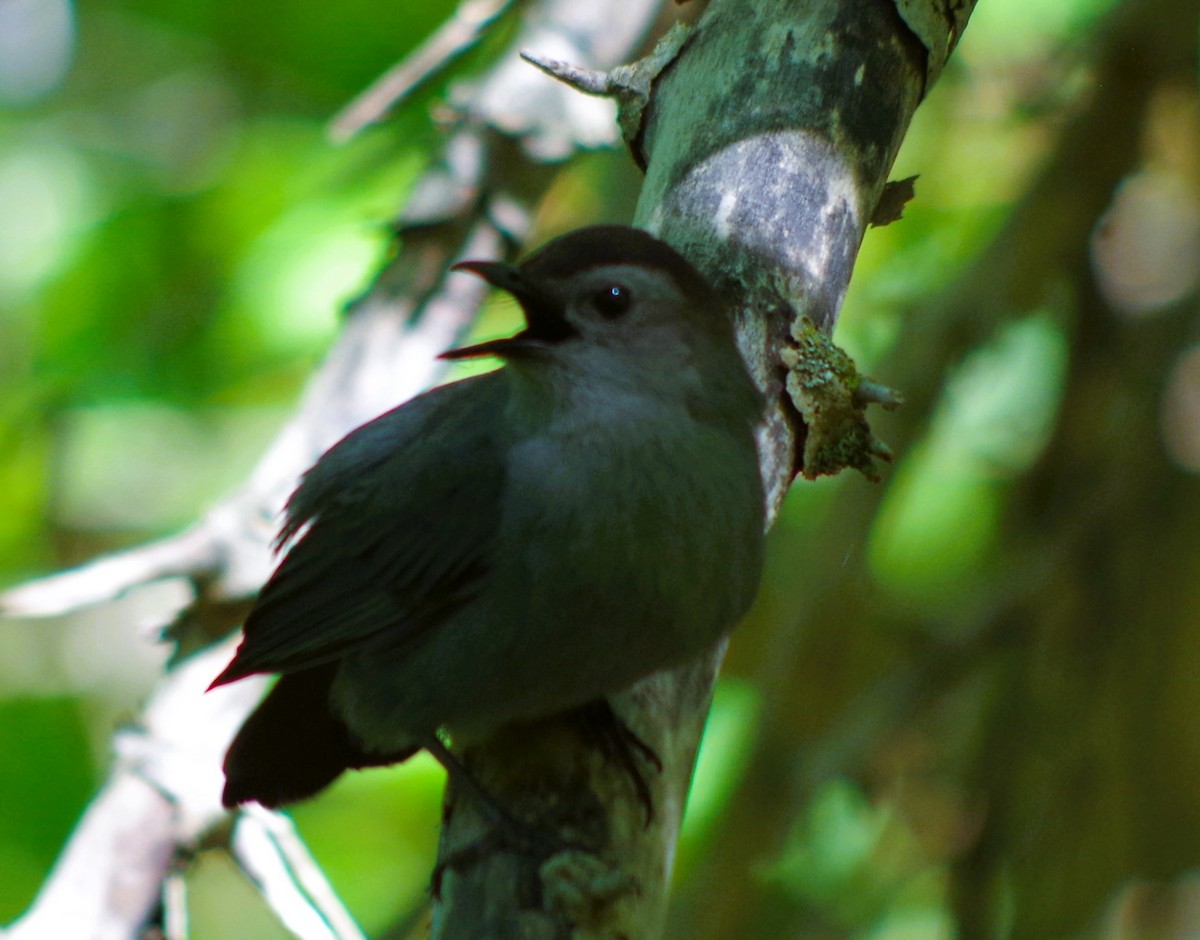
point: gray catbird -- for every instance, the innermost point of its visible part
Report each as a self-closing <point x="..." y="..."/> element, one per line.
<point x="519" y="543"/>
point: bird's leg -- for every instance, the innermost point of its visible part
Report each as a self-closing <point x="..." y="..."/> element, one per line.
<point x="461" y="777"/>
<point x="506" y="830"/>
<point x="621" y="744"/>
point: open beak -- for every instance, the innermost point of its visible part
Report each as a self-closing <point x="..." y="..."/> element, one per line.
<point x="545" y="323"/>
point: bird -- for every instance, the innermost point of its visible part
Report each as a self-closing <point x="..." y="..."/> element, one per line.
<point x="516" y="544"/>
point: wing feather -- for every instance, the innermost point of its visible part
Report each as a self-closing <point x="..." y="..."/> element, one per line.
<point x="397" y="526"/>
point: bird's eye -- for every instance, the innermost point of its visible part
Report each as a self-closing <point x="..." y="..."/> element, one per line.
<point x="612" y="300"/>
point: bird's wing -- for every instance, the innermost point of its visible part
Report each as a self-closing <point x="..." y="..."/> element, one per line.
<point x="401" y="520"/>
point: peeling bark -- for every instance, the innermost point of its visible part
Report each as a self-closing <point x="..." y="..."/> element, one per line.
<point x="767" y="133"/>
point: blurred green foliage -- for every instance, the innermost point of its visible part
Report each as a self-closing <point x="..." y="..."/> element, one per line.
<point x="45" y="741"/>
<point x="176" y="238"/>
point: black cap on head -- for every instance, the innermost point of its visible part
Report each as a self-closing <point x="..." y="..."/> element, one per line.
<point x="599" y="245"/>
<point x="530" y="282"/>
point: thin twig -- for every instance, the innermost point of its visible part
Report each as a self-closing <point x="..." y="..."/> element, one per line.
<point x="454" y="37"/>
<point x="269" y="850"/>
<point x="588" y="81"/>
<point x="193" y="553"/>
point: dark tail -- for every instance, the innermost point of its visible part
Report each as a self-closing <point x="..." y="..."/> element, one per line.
<point x="292" y="746"/>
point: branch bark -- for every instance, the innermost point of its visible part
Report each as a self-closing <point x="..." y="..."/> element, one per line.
<point x="769" y="191"/>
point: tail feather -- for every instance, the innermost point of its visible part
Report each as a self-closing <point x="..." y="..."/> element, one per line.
<point x="293" y="746"/>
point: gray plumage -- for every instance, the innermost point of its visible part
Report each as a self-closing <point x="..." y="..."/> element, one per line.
<point x="519" y="543"/>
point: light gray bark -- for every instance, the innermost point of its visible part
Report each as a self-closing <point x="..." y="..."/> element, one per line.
<point x="766" y="134"/>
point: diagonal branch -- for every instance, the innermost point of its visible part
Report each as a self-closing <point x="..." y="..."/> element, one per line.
<point x="458" y="34"/>
<point x="162" y="797"/>
<point x="769" y="192"/>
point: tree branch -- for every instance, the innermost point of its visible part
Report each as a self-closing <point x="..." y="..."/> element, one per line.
<point x="769" y="192"/>
<point x="474" y="201"/>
